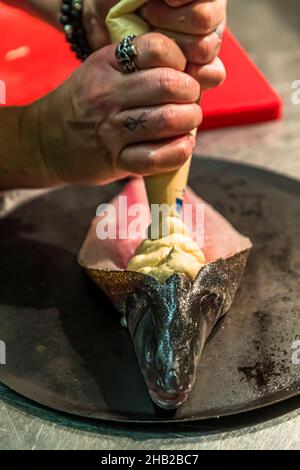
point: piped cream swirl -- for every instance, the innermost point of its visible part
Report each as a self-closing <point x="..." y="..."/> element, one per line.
<point x="174" y="253"/>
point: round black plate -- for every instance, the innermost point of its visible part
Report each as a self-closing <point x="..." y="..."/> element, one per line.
<point x="66" y="348"/>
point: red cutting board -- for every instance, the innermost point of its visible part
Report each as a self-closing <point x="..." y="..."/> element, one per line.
<point x="246" y="97"/>
<point x="35" y="58"/>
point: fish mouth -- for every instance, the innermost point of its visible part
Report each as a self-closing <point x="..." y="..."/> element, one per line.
<point x="169" y="400"/>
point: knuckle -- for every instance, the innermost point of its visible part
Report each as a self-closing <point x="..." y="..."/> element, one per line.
<point x="92" y="96"/>
<point x="103" y="129"/>
<point x="158" y="47"/>
<point x="148" y="165"/>
<point x="174" y="84"/>
<point x="168" y="81"/>
<point x="184" y="153"/>
<point x="96" y="98"/>
<point x="144" y="82"/>
<point x="203" y="49"/>
<point x="204" y="17"/>
<point x="167" y="118"/>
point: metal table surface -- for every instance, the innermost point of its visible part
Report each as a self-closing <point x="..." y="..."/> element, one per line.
<point x="270" y="32"/>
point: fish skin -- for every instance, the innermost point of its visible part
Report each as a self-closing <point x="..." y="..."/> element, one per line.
<point x="169" y="323"/>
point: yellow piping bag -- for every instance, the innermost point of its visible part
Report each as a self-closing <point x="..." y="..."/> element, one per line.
<point x="121" y="20"/>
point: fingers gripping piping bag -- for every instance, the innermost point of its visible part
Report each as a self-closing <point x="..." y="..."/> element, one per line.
<point x="175" y="252"/>
<point x="169" y="316"/>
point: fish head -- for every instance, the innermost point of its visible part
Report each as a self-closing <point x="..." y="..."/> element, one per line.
<point x="169" y="324"/>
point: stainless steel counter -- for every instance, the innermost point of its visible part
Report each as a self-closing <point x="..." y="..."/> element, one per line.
<point x="270" y="32"/>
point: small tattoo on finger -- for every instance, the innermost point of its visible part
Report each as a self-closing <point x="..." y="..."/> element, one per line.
<point x="131" y="123"/>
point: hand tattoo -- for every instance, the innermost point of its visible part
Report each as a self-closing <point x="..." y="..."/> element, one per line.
<point x="131" y="124"/>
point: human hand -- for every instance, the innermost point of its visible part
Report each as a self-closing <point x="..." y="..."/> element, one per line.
<point x="197" y="28"/>
<point x="102" y="124"/>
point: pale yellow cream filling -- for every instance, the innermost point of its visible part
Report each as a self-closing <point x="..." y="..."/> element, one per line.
<point x="176" y="252"/>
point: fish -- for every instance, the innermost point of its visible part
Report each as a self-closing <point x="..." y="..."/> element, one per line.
<point x="170" y="322"/>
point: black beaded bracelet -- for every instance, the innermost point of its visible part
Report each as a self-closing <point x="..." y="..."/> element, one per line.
<point x="71" y="19"/>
